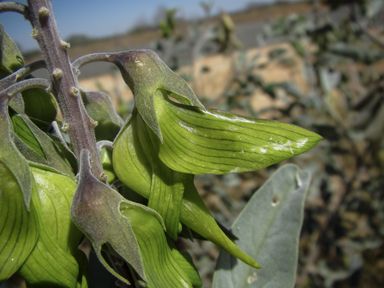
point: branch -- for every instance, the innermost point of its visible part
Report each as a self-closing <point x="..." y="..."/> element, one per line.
<point x="14" y="7"/>
<point x="21" y="74"/>
<point x="24" y="85"/>
<point x="64" y="84"/>
<point x="86" y="59"/>
<point x="18" y="87"/>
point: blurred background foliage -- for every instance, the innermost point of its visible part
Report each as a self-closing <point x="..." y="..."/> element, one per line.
<point x="317" y="64"/>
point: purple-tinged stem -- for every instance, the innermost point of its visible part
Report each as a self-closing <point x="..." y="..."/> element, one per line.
<point x="77" y="123"/>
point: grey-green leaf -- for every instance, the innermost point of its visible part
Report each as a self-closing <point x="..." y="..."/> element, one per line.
<point x="268" y="229"/>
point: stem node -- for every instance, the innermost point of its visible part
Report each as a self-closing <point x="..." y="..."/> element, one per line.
<point x="74" y="92"/>
<point x="43" y="13"/>
<point x="65" y="127"/>
<point x="65" y="45"/>
<point x="57" y="73"/>
<point x="93" y="123"/>
<point x="103" y="177"/>
<point x="34" y="34"/>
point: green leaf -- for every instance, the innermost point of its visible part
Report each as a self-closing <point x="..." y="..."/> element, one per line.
<point x="133" y="167"/>
<point x="11" y="58"/>
<point x="145" y="73"/>
<point x="268" y="229"/>
<point x="18" y="227"/>
<point x="212" y="141"/>
<point x="100" y="108"/>
<point x="94" y="207"/>
<point x="55" y="259"/>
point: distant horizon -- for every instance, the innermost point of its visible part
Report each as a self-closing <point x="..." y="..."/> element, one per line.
<point x="106" y="20"/>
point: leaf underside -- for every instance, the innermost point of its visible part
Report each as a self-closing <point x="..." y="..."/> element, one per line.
<point x="268" y="229"/>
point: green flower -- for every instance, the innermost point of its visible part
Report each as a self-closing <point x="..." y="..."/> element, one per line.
<point x="164" y="143"/>
<point x="136" y="236"/>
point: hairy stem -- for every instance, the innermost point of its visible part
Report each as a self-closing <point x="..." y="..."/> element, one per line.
<point x="64" y="84"/>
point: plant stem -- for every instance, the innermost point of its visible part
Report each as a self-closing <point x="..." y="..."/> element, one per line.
<point x="13" y="7"/>
<point x="64" y="84"/>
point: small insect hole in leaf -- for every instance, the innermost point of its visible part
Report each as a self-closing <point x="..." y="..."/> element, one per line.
<point x="275" y="200"/>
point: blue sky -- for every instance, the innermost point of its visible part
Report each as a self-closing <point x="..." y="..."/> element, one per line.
<point x="97" y="18"/>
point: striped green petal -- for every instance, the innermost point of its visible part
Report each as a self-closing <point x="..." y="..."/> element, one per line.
<point x="161" y="268"/>
<point x="18" y="227"/>
<point x="55" y="260"/>
<point x="186" y="263"/>
<point x="210" y="141"/>
<point x="167" y="186"/>
<point x="133" y="167"/>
